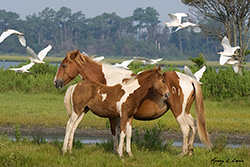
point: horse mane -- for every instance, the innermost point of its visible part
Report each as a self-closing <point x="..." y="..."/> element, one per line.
<point x="79" y="58"/>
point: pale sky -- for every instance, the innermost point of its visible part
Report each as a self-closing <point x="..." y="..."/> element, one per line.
<point x="92" y="8"/>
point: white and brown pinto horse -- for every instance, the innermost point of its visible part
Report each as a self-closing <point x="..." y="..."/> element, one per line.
<point x="119" y="101"/>
<point x="183" y="89"/>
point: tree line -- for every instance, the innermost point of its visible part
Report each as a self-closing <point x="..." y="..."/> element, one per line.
<point x="108" y="34"/>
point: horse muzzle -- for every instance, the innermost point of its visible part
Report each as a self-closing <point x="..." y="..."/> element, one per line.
<point x="58" y="84"/>
<point x="166" y="95"/>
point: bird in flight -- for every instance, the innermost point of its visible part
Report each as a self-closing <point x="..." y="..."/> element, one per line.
<point x="24" y="68"/>
<point x="176" y="21"/>
<point x="9" y="32"/>
<point x="148" y="61"/>
<point x="41" y="55"/>
<point x="197" y="75"/>
<point x="228" y="52"/>
<point x="123" y="64"/>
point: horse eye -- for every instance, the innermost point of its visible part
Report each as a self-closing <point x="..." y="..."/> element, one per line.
<point x="63" y="66"/>
<point x="163" y="81"/>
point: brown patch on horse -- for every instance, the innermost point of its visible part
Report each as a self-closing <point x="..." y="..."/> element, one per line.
<point x="176" y="98"/>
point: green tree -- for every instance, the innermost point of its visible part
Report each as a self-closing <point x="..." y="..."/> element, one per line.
<point x="233" y="15"/>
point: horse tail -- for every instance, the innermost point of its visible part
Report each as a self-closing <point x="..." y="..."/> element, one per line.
<point x="200" y="118"/>
<point x="68" y="99"/>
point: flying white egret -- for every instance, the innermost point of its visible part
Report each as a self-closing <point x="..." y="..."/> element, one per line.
<point x="98" y="58"/>
<point x="9" y="32"/>
<point x="148" y="61"/>
<point x="224" y="59"/>
<point x="123" y="64"/>
<point x="228" y="50"/>
<point x="234" y="63"/>
<point x="24" y="68"/>
<point x="175" y="19"/>
<point x="41" y="55"/>
<point x="187" y="24"/>
<point x="197" y="76"/>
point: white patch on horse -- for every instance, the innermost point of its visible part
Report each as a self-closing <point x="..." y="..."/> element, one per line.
<point x="104" y="96"/>
<point x="179" y="92"/>
<point x="129" y="88"/>
<point x="80" y="76"/>
<point x="114" y="75"/>
<point x="173" y="90"/>
<point x="187" y="88"/>
<point x="120" y="147"/>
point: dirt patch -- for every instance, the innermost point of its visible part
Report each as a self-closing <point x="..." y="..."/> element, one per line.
<point x="106" y="133"/>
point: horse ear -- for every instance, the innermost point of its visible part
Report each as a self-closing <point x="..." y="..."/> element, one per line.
<point x="155" y="68"/>
<point x="73" y="54"/>
<point x="159" y="68"/>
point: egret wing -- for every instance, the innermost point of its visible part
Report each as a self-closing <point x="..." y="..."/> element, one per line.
<point x="189" y="72"/>
<point x="31" y="53"/>
<point x="44" y="52"/>
<point x="199" y="73"/>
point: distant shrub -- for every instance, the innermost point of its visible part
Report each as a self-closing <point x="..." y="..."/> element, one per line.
<point x="39" y="80"/>
<point x="219" y="83"/>
<point x="223" y="83"/>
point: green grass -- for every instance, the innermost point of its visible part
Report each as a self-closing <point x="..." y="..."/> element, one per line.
<point x="27" y="153"/>
<point x="47" y="110"/>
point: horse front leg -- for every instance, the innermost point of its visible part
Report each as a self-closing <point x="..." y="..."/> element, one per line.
<point x="123" y="122"/>
<point x="128" y="138"/>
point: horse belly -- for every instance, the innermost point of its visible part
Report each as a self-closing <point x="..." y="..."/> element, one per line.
<point x="104" y="110"/>
<point x="150" y="110"/>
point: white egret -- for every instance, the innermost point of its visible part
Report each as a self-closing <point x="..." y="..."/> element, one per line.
<point x="228" y="50"/>
<point x="123" y="64"/>
<point x="193" y="26"/>
<point x="98" y="58"/>
<point x="175" y="19"/>
<point x="24" y="68"/>
<point x="9" y="32"/>
<point x="197" y="76"/>
<point x="148" y="61"/>
<point x="41" y="55"/>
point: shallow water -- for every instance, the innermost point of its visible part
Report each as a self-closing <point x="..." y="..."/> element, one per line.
<point x="95" y="140"/>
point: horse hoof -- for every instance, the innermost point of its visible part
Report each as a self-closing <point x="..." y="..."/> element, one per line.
<point x="191" y="152"/>
<point x="130" y="154"/>
<point x="182" y="154"/>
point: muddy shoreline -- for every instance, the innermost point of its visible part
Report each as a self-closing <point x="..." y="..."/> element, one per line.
<point x="105" y="133"/>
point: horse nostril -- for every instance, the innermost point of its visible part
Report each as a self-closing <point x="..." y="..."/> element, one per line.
<point x="167" y="95"/>
<point x="58" y="84"/>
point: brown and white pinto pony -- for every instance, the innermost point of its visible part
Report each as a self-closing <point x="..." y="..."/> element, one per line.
<point x="183" y="89"/>
<point x="119" y="101"/>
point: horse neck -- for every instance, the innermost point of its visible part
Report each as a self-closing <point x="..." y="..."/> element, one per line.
<point x="92" y="71"/>
<point x="115" y="75"/>
<point x="145" y="84"/>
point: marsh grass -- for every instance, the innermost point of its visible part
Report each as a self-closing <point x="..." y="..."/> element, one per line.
<point x="47" y="110"/>
<point x="28" y="153"/>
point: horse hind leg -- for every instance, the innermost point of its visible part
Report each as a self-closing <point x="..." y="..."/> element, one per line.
<point x="128" y="138"/>
<point x="185" y="132"/>
<point x="114" y="125"/>
<point x="191" y="123"/>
